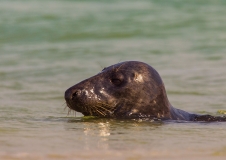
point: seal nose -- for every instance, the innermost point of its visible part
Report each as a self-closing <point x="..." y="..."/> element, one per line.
<point x="72" y="94"/>
<point x="76" y="93"/>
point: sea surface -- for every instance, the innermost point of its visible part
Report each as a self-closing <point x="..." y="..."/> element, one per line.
<point x="46" y="46"/>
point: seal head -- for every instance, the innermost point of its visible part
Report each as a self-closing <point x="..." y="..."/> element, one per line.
<point x="127" y="89"/>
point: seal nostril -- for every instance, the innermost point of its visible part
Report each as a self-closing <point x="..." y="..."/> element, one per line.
<point x="75" y="94"/>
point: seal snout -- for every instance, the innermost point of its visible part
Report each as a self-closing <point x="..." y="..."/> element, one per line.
<point x="71" y="94"/>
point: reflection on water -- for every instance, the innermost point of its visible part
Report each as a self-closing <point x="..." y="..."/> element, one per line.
<point x="144" y="138"/>
<point x="104" y="133"/>
<point x="107" y="134"/>
<point x="104" y="129"/>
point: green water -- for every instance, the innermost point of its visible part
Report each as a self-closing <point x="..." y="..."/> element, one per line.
<point x="47" y="46"/>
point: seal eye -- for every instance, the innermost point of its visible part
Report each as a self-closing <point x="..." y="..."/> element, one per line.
<point x="116" y="81"/>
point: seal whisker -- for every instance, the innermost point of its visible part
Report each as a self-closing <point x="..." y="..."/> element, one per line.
<point x="69" y="111"/>
<point x="117" y="69"/>
<point x="93" y="110"/>
<point x="106" y="109"/>
<point x="106" y="106"/>
<point x="64" y="104"/>
<point x="97" y="110"/>
<point x="65" y="107"/>
<point x="101" y="112"/>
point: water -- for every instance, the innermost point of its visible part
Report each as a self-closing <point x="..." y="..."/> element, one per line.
<point x="47" y="46"/>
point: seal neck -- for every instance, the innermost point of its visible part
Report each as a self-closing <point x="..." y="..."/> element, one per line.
<point x="177" y="114"/>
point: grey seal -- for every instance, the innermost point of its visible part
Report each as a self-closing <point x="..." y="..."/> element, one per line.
<point x="129" y="89"/>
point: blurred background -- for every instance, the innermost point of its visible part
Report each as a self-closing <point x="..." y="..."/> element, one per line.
<point x="46" y="46"/>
